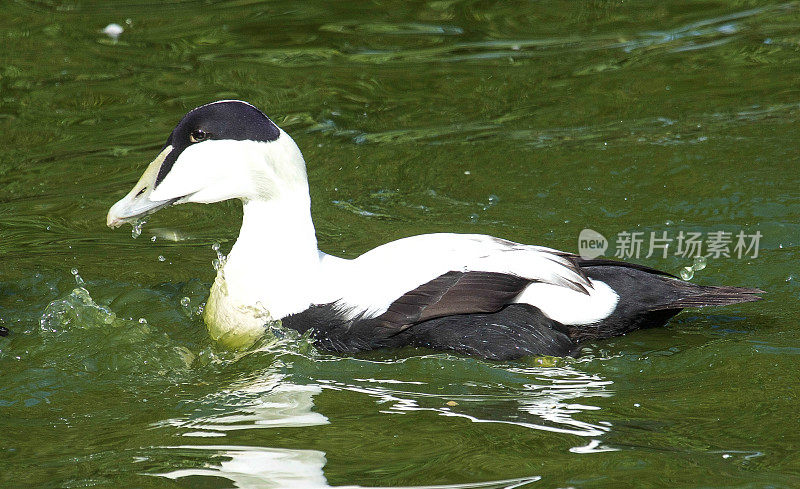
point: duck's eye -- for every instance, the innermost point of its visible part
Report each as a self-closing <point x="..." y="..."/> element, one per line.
<point x="199" y="135"/>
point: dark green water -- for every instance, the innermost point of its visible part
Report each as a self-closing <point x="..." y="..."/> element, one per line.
<point x="527" y="120"/>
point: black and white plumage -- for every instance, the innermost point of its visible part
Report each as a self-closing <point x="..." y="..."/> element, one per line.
<point x="466" y="293"/>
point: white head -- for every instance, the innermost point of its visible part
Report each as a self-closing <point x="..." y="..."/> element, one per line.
<point x="218" y="151"/>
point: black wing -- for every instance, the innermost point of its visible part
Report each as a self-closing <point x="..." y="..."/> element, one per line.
<point x="454" y="293"/>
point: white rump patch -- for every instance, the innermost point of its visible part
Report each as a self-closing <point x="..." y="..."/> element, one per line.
<point x="568" y="306"/>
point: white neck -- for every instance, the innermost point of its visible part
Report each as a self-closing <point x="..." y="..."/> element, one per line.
<point x="274" y="262"/>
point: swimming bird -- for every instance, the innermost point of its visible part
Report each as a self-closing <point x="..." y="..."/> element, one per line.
<point x="466" y="293"/>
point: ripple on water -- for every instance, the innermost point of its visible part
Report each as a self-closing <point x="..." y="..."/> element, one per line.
<point x="544" y="398"/>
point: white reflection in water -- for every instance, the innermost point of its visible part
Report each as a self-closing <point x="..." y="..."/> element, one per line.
<point x="269" y="468"/>
<point x="593" y="446"/>
<point x="262" y="403"/>
<point x="269" y="403"/>
<point x="548" y="403"/>
<point x="259" y="467"/>
<point x="169" y="234"/>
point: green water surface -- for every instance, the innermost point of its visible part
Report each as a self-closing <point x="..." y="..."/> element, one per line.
<point x="526" y="120"/>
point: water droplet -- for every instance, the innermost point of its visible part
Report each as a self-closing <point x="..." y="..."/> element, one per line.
<point x="687" y="273"/>
<point x="161" y="258"/>
<point x="136" y="229"/>
<point x="219" y="262"/>
<point x="78" y="280"/>
<point x="185" y="301"/>
<point x="699" y="263"/>
<point x="113" y="31"/>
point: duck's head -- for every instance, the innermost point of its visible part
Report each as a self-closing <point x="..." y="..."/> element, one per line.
<point x="218" y="151"/>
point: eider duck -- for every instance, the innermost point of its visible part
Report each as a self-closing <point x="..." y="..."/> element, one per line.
<point x="466" y="293"/>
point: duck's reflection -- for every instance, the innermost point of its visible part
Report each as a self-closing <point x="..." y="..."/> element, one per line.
<point x="547" y="400"/>
<point x="546" y="403"/>
<point x="267" y="402"/>
<point x="273" y="468"/>
<point x="259" y="467"/>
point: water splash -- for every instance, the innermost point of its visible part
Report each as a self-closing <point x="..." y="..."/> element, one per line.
<point x="77" y="310"/>
<point x="78" y="280"/>
<point x="219" y="262"/>
<point x="81" y="334"/>
<point x="699" y="263"/>
<point x="192" y="298"/>
<point x="137" y="225"/>
<point x="687" y="273"/>
<point x="491" y="202"/>
<point x="186" y="305"/>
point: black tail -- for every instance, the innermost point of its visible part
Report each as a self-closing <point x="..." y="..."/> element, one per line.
<point x="704" y="295"/>
<point x="649" y="298"/>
